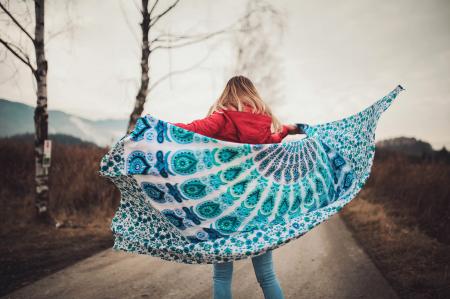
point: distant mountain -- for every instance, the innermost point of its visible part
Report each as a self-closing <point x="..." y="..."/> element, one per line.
<point x="409" y="146"/>
<point x="17" y="118"/>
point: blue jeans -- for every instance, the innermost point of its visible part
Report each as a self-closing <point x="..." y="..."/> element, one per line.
<point x="223" y="273"/>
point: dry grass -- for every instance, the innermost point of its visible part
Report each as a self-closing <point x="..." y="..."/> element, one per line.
<point x="415" y="191"/>
<point x="77" y="193"/>
<point x="401" y="219"/>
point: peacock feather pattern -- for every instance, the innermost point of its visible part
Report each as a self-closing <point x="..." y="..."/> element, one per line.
<point x="194" y="199"/>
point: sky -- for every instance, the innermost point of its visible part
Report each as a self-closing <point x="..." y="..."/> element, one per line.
<point x="335" y="58"/>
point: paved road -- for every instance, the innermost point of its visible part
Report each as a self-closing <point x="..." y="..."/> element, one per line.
<point x="324" y="263"/>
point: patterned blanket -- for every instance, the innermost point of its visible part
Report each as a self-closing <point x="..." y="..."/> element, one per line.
<point x="193" y="199"/>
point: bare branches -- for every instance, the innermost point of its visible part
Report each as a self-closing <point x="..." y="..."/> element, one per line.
<point x="190" y="40"/>
<point x="153" y="7"/>
<point x="16" y="22"/>
<point x="22" y="56"/>
<point x="156" y="19"/>
<point x="169" y="41"/>
<point x="13" y="49"/>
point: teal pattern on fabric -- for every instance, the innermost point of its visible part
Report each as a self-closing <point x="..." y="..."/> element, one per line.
<point x="194" y="199"/>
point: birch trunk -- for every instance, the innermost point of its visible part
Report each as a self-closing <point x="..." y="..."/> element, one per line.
<point x="143" y="89"/>
<point x="40" y="116"/>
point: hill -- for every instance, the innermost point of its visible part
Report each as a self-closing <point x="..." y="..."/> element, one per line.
<point x="17" y="118"/>
<point x="409" y="146"/>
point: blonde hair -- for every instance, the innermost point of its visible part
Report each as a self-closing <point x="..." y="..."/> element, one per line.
<point x="240" y="92"/>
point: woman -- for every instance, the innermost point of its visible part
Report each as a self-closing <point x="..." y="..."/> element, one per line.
<point x="240" y="115"/>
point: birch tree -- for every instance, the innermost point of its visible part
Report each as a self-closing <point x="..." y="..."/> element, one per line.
<point x="164" y="41"/>
<point x="39" y="70"/>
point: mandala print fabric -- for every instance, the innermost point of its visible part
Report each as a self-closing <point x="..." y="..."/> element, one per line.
<point x="193" y="199"/>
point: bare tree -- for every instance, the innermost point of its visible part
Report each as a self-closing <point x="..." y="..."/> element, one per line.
<point x="39" y="71"/>
<point x="255" y="49"/>
<point x="164" y="41"/>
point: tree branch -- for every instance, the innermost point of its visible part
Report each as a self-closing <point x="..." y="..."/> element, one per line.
<point x="25" y="59"/>
<point x="193" y="39"/>
<point x="156" y="19"/>
<point x="153" y="7"/>
<point x="191" y="42"/>
<point x="16" y="22"/>
<point x="170" y="38"/>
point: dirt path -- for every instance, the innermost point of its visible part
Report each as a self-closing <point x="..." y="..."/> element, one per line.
<point x="324" y="263"/>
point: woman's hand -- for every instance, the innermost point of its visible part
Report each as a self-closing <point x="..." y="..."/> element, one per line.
<point x="292" y="129"/>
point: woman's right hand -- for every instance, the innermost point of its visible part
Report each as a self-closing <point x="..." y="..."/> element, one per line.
<point x="292" y="129"/>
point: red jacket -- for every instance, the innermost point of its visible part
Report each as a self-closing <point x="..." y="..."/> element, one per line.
<point x="236" y="126"/>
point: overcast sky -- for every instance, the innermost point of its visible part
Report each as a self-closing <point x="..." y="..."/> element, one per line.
<point x="336" y="58"/>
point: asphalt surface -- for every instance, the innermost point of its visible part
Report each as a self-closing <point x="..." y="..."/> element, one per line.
<point x="324" y="263"/>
